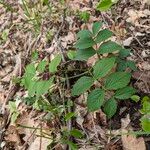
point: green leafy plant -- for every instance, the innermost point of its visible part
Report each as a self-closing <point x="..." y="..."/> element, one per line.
<point x="33" y="79"/>
<point x="14" y="111"/>
<point x="4" y="35"/>
<point x="145" y="120"/>
<point x="74" y="133"/>
<point x="104" y="5"/>
<point x="113" y="84"/>
<point x="35" y="12"/>
<point x="84" y="16"/>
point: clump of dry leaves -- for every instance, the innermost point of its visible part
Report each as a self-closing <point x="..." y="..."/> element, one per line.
<point x="130" y="21"/>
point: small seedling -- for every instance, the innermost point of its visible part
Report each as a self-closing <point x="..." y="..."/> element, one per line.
<point x="14" y="111"/>
<point x="84" y="16"/>
<point x="104" y="5"/>
<point x="145" y="120"/>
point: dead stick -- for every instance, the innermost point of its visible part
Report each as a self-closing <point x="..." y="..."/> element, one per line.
<point x="61" y="49"/>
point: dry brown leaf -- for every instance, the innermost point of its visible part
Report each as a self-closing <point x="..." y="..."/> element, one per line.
<point x="134" y="16"/>
<point x="128" y="41"/>
<point x="26" y="120"/>
<point x="12" y="135"/>
<point x="143" y="76"/>
<point x="88" y="148"/>
<point x="144" y="1"/>
<point x="130" y="142"/>
<point x="39" y="143"/>
<point x="92" y="60"/>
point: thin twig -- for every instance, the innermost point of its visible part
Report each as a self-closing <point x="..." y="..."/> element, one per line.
<point x="40" y="147"/>
<point x="57" y="39"/>
<point x="61" y="49"/>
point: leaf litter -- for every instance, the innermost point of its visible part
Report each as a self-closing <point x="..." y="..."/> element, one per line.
<point x="18" y="41"/>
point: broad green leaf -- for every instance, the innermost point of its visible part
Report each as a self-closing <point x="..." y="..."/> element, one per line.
<point x="69" y="116"/>
<point x="123" y="53"/>
<point x="104" y="5"/>
<point x="135" y="98"/>
<point x="96" y="27"/>
<point x="25" y="81"/>
<point x="110" y="107"/>
<point x="95" y="99"/>
<point x="43" y="86"/>
<point x="71" y="54"/>
<point x="125" y="92"/>
<point x="103" y="35"/>
<point x="76" y="133"/>
<point x="84" y="34"/>
<point x="85" y="54"/>
<point x="145" y="107"/>
<point x="32" y="88"/>
<point x="145" y="122"/>
<point x="54" y="63"/>
<point x="145" y="98"/>
<point x="30" y="70"/>
<point x="84" y="43"/>
<point x="103" y="67"/>
<point x="41" y="66"/>
<point x="109" y="47"/>
<point x="131" y="65"/>
<point x="117" y="80"/>
<point x="82" y="85"/>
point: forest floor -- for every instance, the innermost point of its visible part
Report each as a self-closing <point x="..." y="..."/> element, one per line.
<point x="34" y="27"/>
